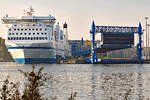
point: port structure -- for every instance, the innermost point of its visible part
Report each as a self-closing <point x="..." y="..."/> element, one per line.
<point x="125" y="40"/>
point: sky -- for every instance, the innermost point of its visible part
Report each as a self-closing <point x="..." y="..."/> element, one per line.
<point x="79" y="14"/>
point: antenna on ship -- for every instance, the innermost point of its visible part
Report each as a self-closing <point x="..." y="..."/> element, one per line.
<point x="29" y="12"/>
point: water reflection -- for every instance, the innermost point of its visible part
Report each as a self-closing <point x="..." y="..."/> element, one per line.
<point x="92" y="83"/>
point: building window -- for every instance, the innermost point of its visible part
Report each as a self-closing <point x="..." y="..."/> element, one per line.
<point x="42" y="38"/>
<point x="25" y="33"/>
<point x="37" y="38"/>
<point x="29" y="33"/>
<point x="34" y="38"/>
<point x="20" y="33"/>
<point x="14" y="29"/>
<point x="9" y="29"/>
<point x="25" y="29"/>
<point x="9" y="33"/>
<point x="40" y="29"/>
<point x="25" y="38"/>
<point x="33" y="24"/>
<point x="45" y="38"/>
<point x="37" y="33"/>
<point x="12" y="33"/>
<point x="15" y="25"/>
<point x="29" y="29"/>
<point x="45" y="29"/>
<point x="22" y="38"/>
<point x="18" y="29"/>
<point x="33" y="33"/>
<point x="33" y="29"/>
<point x="45" y="33"/>
<point x="8" y="38"/>
<point x="17" y="38"/>
<point x="16" y="33"/>
<point x="42" y="33"/>
<point x="37" y="29"/>
<point x="22" y="29"/>
<point x="28" y="38"/>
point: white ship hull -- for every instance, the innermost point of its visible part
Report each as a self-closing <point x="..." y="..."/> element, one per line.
<point x="33" y="54"/>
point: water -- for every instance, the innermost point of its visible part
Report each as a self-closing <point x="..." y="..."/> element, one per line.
<point x="91" y="82"/>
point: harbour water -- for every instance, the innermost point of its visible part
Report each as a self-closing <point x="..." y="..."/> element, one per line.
<point x="91" y="82"/>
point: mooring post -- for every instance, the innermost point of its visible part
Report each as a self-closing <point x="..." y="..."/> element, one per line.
<point x="139" y="45"/>
<point x="82" y="45"/>
<point x="93" y="42"/>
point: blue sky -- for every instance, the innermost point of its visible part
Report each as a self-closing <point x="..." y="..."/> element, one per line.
<point x="79" y="14"/>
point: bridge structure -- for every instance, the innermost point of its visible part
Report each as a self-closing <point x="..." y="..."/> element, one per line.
<point x="114" y="38"/>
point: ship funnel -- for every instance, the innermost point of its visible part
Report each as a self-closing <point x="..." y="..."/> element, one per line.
<point x="65" y="25"/>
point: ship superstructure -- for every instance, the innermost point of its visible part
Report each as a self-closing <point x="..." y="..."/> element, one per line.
<point x="36" y="39"/>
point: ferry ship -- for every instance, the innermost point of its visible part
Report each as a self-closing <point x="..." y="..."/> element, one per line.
<point x="36" y="39"/>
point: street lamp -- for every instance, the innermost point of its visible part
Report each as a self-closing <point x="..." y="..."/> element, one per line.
<point x="148" y="39"/>
<point x="148" y="33"/>
<point x="146" y="18"/>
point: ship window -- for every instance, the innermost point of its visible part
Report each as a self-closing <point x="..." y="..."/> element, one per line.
<point x="33" y="33"/>
<point x="20" y="33"/>
<point x="14" y="29"/>
<point x="16" y="33"/>
<point x="29" y="33"/>
<point x="18" y="29"/>
<point x="36" y="28"/>
<point x="37" y="33"/>
<point x="33" y="29"/>
<point x="45" y="29"/>
<point x="25" y="33"/>
<point x="22" y="29"/>
<point x="42" y="33"/>
<point x="12" y="33"/>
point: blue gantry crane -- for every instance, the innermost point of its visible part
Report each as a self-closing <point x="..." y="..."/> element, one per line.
<point x="114" y="38"/>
